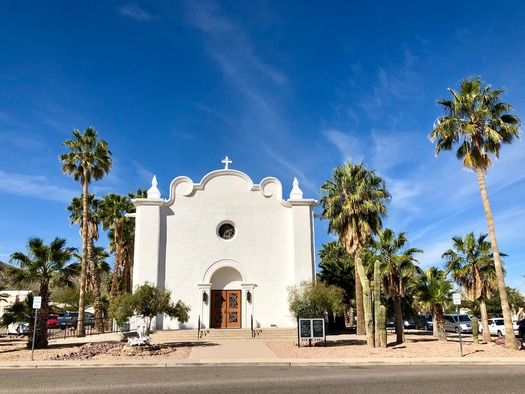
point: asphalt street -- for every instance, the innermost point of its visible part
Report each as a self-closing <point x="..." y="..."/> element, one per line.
<point x="266" y="379"/>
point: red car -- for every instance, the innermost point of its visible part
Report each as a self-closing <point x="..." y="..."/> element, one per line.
<point x="52" y="321"/>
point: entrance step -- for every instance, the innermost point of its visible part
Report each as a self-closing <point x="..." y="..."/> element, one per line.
<point x="223" y="334"/>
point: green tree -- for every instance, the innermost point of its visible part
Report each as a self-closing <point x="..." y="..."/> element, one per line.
<point x="433" y="292"/>
<point x="398" y="266"/>
<point x="516" y="302"/>
<point x="479" y="122"/>
<point x="471" y="264"/>
<point x="148" y="301"/>
<point x="88" y="159"/>
<point x="337" y="268"/>
<point x="18" y="311"/>
<point x="354" y="201"/>
<point x="313" y="300"/>
<point x="47" y="265"/>
<point x="113" y="210"/>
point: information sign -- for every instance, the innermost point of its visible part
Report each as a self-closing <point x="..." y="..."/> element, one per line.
<point x="37" y="302"/>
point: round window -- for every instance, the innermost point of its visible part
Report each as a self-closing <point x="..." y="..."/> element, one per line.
<point x="226" y="231"/>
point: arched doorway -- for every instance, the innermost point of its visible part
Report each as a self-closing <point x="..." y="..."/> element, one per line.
<point x="226" y="298"/>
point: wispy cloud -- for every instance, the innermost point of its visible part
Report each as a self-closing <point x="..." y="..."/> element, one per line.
<point x="349" y="146"/>
<point x="135" y="12"/>
<point x="35" y="186"/>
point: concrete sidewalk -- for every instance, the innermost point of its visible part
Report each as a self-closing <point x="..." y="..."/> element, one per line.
<point x="245" y="352"/>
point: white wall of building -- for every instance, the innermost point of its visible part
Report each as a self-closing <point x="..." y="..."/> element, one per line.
<point x="178" y="246"/>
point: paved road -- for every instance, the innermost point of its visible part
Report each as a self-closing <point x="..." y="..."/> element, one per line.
<point x="253" y="379"/>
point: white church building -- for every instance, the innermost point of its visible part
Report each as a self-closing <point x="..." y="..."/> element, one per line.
<point x="227" y="247"/>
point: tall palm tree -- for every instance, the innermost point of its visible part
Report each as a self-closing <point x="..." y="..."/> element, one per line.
<point x="480" y="123"/>
<point x="398" y="265"/>
<point x="93" y="275"/>
<point x="88" y="159"/>
<point x="433" y="292"/>
<point x="113" y="210"/>
<point x="354" y="201"/>
<point x="48" y="266"/>
<point x="471" y="264"/>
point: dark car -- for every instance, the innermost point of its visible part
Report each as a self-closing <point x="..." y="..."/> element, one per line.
<point x="70" y="319"/>
<point x="425" y="322"/>
<point x="521" y="330"/>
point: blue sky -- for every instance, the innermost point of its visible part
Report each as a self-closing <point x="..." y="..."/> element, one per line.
<point x="284" y="88"/>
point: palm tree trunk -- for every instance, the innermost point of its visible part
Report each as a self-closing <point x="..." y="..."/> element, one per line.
<point x="437" y="312"/>
<point x="95" y="287"/>
<point x="41" y="323"/>
<point x="83" y="268"/>
<point x="484" y="320"/>
<point x="400" y="334"/>
<point x="359" y="304"/>
<point x="510" y="340"/>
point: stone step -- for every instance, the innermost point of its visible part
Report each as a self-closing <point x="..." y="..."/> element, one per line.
<point x="218" y="334"/>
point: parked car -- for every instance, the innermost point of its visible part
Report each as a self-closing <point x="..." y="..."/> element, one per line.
<point x="18" y="328"/>
<point x="70" y="319"/>
<point x="425" y="322"/>
<point x="497" y="327"/>
<point x="521" y="330"/>
<point x="52" y="321"/>
<point x="458" y="323"/>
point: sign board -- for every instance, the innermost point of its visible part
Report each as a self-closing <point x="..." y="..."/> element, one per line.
<point x="37" y="302"/>
<point x="311" y="329"/>
<point x="456" y="298"/>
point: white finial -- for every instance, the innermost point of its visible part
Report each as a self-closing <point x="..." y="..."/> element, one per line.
<point x="153" y="191"/>
<point x="226" y="161"/>
<point x="296" y="193"/>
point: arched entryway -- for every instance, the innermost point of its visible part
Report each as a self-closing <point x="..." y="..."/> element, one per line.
<point x="227" y="296"/>
<point x="226" y="299"/>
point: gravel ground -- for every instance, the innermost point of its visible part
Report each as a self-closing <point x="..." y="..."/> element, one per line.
<point x="417" y="345"/>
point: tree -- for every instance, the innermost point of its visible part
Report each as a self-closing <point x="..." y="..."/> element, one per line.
<point x="337" y="268"/>
<point x="148" y="301"/>
<point x="480" y="123"/>
<point x="398" y="265"/>
<point x="47" y="265"/>
<point x="471" y="264"/>
<point x="113" y="210"/>
<point x="354" y="201"/>
<point x="93" y="274"/>
<point x="88" y="159"/>
<point x="18" y="311"/>
<point x="433" y="291"/>
<point x="313" y="300"/>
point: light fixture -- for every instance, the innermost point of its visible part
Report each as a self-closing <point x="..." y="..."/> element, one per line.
<point x="249" y="296"/>
<point x="205" y="297"/>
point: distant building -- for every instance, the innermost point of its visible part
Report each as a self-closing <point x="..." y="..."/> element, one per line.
<point x="227" y="247"/>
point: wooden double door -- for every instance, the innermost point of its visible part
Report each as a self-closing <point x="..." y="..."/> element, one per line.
<point x="226" y="309"/>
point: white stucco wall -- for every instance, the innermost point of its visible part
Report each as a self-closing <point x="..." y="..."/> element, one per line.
<point x="178" y="247"/>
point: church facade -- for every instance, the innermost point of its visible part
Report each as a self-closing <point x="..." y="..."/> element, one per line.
<point x="227" y="247"/>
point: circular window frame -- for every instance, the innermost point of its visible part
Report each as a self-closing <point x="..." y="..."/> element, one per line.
<point x="231" y="226"/>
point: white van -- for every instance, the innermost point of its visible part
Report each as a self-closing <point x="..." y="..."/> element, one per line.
<point x="458" y="323"/>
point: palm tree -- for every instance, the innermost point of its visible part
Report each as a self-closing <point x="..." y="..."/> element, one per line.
<point x="433" y="291"/>
<point x="113" y="210"/>
<point x="480" y="123"/>
<point x="354" y="201"/>
<point x="93" y="275"/>
<point x="471" y="264"/>
<point x="398" y="265"/>
<point x="88" y="159"/>
<point x="47" y="265"/>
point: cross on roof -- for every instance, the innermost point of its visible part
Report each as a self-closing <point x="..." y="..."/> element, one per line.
<point x="226" y="161"/>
